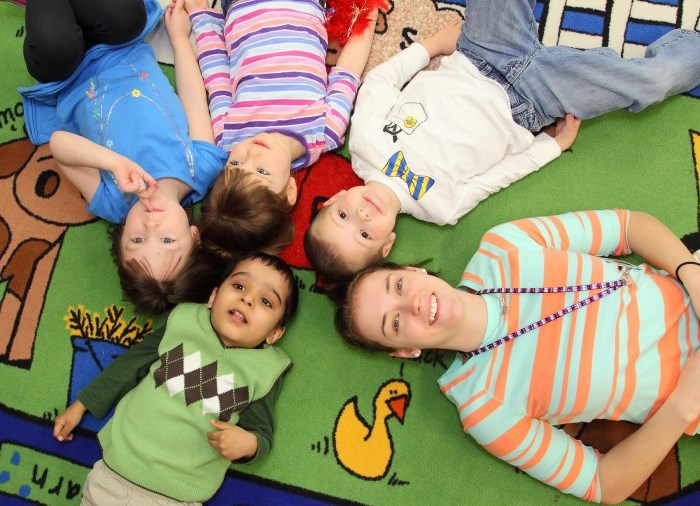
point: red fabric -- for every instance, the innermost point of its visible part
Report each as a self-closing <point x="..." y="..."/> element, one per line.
<point x="350" y="17"/>
<point x="316" y="184"/>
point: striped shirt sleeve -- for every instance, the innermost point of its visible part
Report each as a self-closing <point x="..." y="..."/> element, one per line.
<point x="600" y="233"/>
<point x="535" y="446"/>
<point x="208" y="27"/>
<point x="342" y="89"/>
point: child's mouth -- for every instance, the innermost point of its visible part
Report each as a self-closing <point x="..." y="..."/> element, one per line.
<point x="237" y="315"/>
<point x="375" y="206"/>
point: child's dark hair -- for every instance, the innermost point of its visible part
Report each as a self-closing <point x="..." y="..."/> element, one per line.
<point x="279" y="265"/>
<point x="240" y="215"/>
<point x="193" y="283"/>
<point x="344" y="322"/>
<point x="327" y="261"/>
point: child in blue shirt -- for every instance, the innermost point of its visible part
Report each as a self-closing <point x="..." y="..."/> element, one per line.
<point x="137" y="152"/>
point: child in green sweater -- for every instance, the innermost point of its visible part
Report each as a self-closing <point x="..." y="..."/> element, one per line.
<point x="209" y="374"/>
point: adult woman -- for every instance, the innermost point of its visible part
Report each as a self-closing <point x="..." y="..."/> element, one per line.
<point x="628" y="356"/>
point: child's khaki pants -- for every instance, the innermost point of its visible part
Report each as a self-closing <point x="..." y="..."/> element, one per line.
<point x="104" y="487"/>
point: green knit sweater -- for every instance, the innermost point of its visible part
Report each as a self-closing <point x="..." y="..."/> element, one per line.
<point x="157" y="437"/>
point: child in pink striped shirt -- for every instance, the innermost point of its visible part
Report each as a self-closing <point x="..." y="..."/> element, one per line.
<point x="273" y="105"/>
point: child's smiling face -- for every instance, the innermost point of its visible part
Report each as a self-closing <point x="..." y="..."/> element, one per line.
<point x="246" y="309"/>
<point x="359" y="224"/>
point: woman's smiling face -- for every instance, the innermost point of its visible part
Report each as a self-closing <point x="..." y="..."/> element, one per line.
<point x="407" y="309"/>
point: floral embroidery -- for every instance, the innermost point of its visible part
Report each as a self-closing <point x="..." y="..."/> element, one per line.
<point x="95" y="113"/>
<point x="136" y="93"/>
<point x="143" y="75"/>
<point x="91" y="92"/>
<point x="109" y="143"/>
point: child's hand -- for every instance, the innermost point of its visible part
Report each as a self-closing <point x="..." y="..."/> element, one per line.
<point x="444" y="41"/>
<point x="565" y="131"/>
<point x="232" y="442"/>
<point x="131" y="178"/>
<point x="67" y="421"/>
<point x="195" y="5"/>
<point x="177" y="22"/>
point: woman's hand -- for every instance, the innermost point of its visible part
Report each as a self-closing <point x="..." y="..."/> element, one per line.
<point x="67" y="421"/>
<point x="686" y="395"/>
<point x="631" y="461"/>
<point x="689" y="275"/>
<point x="232" y="442"/>
<point x="177" y="22"/>
<point x="444" y="41"/>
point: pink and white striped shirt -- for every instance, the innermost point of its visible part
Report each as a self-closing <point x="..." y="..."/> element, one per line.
<point x="264" y="71"/>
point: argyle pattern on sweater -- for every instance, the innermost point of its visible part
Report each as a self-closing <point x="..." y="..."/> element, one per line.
<point x="217" y="393"/>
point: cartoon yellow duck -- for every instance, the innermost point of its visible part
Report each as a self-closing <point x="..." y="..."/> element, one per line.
<point x="367" y="451"/>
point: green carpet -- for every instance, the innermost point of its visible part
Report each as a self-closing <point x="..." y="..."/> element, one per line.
<point x="59" y="290"/>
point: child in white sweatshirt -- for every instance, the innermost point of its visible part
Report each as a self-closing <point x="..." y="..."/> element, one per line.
<point x="433" y="144"/>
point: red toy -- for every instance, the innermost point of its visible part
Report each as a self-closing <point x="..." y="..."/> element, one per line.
<point x="350" y="17"/>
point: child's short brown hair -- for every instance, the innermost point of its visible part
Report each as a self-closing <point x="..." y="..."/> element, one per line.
<point x="328" y="262"/>
<point x="200" y="273"/>
<point x="240" y="216"/>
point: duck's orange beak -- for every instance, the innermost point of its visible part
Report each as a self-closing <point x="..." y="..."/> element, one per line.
<point x="398" y="406"/>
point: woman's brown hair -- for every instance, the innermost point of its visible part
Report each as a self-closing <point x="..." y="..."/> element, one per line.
<point x="343" y="296"/>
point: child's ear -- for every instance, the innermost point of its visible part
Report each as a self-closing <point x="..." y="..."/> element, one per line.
<point x="291" y="191"/>
<point x="275" y="335"/>
<point x="210" y="302"/>
<point x="405" y="353"/>
<point x="388" y="245"/>
<point x="194" y="230"/>
<point x="333" y="198"/>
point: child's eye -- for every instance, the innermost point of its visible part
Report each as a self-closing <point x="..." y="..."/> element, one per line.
<point x="238" y="286"/>
<point x="399" y="285"/>
<point x="266" y="301"/>
<point x="364" y="235"/>
<point x="263" y="171"/>
<point x="395" y="323"/>
<point x="342" y="215"/>
<point x="168" y="240"/>
<point x="137" y="240"/>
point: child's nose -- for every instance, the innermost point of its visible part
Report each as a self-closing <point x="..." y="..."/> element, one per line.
<point x="363" y="213"/>
<point x="247" y="299"/>
<point x="151" y="222"/>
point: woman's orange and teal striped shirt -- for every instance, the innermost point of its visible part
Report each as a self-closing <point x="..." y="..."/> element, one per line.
<point x="618" y="358"/>
<point x="264" y="71"/>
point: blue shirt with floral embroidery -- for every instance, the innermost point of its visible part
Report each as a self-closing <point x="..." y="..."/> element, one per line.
<point x="120" y="98"/>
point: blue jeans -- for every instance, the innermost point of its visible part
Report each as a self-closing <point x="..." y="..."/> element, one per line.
<point x="544" y="83"/>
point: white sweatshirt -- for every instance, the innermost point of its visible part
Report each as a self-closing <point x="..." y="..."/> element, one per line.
<point x="452" y="124"/>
